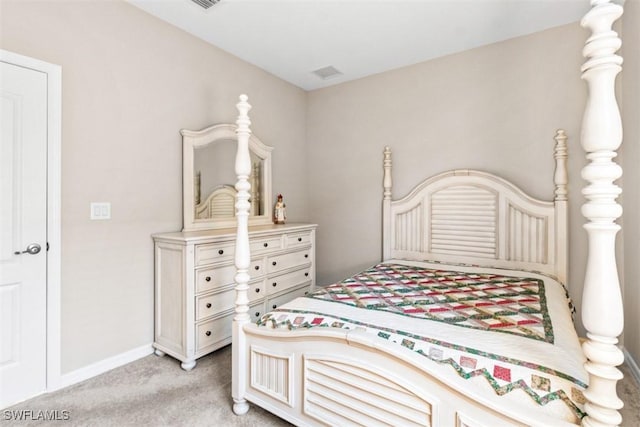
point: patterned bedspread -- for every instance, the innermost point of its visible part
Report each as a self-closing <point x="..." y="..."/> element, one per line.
<point x="513" y="329"/>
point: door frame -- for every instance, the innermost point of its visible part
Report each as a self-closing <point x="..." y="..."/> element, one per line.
<point x="54" y="198"/>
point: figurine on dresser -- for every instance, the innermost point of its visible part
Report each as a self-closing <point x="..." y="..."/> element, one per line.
<point x="279" y="211"/>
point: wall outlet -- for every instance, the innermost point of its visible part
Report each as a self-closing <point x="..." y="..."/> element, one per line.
<point x="100" y="210"/>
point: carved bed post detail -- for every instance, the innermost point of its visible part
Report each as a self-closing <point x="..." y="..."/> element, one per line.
<point x="560" y="154"/>
<point x="386" y="205"/>
<point x="560" y="179"/>
<point x="255" y="193"/>
<point x="242" y="259"/>
<point x="601" y="136"/>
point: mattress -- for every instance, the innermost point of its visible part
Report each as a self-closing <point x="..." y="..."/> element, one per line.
<point x="503" y="331"/>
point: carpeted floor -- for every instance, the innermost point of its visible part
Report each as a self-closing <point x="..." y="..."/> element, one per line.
<point x="154" y="391"/>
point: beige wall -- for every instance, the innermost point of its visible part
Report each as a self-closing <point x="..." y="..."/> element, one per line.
<point x="130" y="83"/>
<point x="494" y="108"/>
<point x="629" y="82"/>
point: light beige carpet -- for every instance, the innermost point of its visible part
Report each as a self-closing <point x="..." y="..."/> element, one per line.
<point x="154" y="391"/>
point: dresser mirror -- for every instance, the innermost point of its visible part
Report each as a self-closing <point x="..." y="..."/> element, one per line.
<point x="209" y="178"/>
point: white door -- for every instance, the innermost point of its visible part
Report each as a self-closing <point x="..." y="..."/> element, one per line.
<point x="23" y="231"/>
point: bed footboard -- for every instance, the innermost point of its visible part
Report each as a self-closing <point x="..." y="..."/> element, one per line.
<point x="339" y="377"/>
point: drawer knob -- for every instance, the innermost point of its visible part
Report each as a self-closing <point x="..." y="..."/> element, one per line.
<point x="257" y="267"/>
<point x="273" y="263"/>
<point x="208" y="278"/>
<point x="299" y="239"/>
<point x="257" y="290"/>
<point x="274" y="284"/>
<point x="274" y="306"/>
<point x="208" y="305"/>
<point x="257" y="313"/>
<point x="208" y="333"/>
<point x="221" y="251"/>
<point x="265" y="244"/>
<point x="306" y="274"/>
<point x="306" y="255"/>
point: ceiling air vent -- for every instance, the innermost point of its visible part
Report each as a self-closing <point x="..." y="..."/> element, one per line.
<point x="327" y="72"/>
<point x="205" y="3"/>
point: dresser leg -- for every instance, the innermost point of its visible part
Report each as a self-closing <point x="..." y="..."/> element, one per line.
<point x="188" y="365"/>
<point x="159" y="353"/>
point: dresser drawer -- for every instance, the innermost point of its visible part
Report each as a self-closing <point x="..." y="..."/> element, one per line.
<point x="216" y="330"/>
<point x="211" y="304"/>
<point x="218" y="252"/>
<point x="256" y="312"/>
<point x="286" y="281"/>
<point x="213" y="331"/>
<point x="284" y="261"/>
<point x="265" y="244"/>
<point x="211" y="278"/>
<point x="298" y="239"/>
<point x="276" y="302"/>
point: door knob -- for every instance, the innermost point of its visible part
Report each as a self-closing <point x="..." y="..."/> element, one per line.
<point x="32" y="249"/>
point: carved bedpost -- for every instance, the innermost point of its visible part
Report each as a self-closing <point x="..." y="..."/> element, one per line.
<point x="386" y="205"/>
<point x="601" y="137"/>
<point x="242" y="258"/>
<point x="255" y="187"/>
<point x="196" y="187"/>
<point x="560" y="179"/>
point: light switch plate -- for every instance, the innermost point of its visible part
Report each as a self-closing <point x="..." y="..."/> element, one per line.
<point x="100" y="210"/>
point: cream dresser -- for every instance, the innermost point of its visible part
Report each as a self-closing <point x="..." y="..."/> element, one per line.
<point x="194" y="283"/>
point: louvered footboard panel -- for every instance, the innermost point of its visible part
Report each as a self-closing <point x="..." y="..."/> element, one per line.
<point x="271" y="374"/>
<point x="343" y="394"/>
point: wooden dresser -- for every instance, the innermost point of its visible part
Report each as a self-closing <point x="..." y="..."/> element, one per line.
<point x="194" y="283"/>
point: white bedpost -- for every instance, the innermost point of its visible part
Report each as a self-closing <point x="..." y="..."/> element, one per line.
<point x="560" y="179"/>
<point x="242" y="259"/>
<point x="386" y="205"/>
<point x="255" y="185"/>
<point x="601" y="137"/>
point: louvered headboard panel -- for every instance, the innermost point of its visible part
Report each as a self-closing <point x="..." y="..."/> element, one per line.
<point x="463" y="221"/>
<point x="473" y="217"/>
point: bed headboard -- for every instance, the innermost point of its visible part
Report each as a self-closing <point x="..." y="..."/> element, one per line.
<point x="469" y="216"/>
<point x="219" y="204"/>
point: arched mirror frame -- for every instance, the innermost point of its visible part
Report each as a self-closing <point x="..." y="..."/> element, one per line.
<point x="211" y="135"/>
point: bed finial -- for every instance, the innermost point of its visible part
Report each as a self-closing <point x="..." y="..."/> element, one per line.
<point x="242" y="255"/>
<point x="387" y="182"/>
<point x="386" y="204"/>
<point x="601" y="137"/>
<point x="560" y="177"/>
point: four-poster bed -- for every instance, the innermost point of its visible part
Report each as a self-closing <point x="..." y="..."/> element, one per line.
<point x="466" y="321"/>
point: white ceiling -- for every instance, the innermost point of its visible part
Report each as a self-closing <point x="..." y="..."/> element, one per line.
<point x="292" y="38"/>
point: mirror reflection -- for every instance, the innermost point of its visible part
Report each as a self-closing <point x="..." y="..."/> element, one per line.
<point x="214" y="179"/>
<point x="209" y="178"/>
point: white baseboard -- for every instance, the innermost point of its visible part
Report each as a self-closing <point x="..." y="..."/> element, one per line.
<point x="102" y="366"/>
<point x="633" y="366"/>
